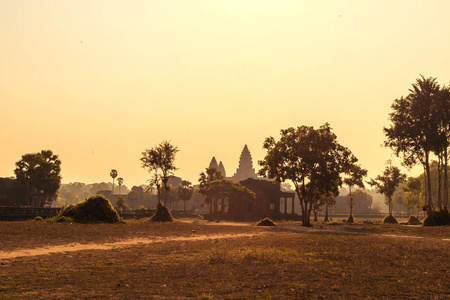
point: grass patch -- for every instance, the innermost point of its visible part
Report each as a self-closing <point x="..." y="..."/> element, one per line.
<point x="413" y="220"/>
<point x="389" y="219"/>
<point x="334" y="223"/>
<point x="162" y="214"/>
<point x="266" y="222"/>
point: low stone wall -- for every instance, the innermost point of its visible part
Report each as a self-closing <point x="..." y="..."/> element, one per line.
<point x="14" y="213"/>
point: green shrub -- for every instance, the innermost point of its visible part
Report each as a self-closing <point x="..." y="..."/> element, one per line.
<point x="389" y="219"/>
<point x="266" y="222"/>
<point x="38" y="219"/>
<point x="350" y="219"/>
<point x="438" y="217"/>
<point x="94" y="209"/>
<point x="413" y="220"/>
<point x="162" y="214"/>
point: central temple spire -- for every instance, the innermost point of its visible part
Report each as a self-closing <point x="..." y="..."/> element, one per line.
<point x="245" y="169"/>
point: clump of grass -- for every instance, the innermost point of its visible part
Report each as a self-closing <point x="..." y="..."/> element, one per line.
<point x="334" y="223"/>
<point x="61" y="219"/>
<point x="438" y="217"/>
<point x="94" y="209"/>
<point x="413" y="220"/>
<point x="389" y="219"/>
<point x="38" y="219"/>
<point x="350" y="219"/>
<point x="266" y="222"/>
<point x="216" y="257"/>
<point x="270" y="255"/>
<point x="162" y="214"/>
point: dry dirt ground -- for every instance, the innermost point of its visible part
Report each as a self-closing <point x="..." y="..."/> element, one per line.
<point x="200" y="260"/>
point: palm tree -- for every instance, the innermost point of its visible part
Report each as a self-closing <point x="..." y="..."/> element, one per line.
<point x="113" y="174"/>
<point x="119" y="181"/>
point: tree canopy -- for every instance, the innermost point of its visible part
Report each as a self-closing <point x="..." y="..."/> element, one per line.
<point x="420" y="126"/>
<point x="387" y="183"/>
<point x="160" y="162"/>
<point x="40" y="172"/>
<point x="185" y="192"/>
<point x="354" y="177"/>
<point x="311" y="159"/>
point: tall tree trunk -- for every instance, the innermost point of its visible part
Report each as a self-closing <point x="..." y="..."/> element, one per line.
<point x="351" y="201"/>
<point x="390" y="205"/>
<point x="425" y="190"/>
<point x="445" y="178"/>
<point x="439" y="200"/>
<point x="430" y="198"/>
<point x="326" y="214"/>
<point x="210" y="209"/>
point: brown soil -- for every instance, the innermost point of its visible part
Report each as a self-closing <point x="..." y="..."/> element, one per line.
<point x="187" y="260"/>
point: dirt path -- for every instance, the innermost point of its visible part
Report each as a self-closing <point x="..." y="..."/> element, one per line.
<point x="4" y="255"/>
<point x="343" y="231"/>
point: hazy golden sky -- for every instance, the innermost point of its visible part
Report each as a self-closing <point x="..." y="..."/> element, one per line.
<point x="97" y="82"/>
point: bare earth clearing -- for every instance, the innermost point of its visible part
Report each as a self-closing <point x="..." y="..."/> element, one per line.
<point x="199" y="260"/>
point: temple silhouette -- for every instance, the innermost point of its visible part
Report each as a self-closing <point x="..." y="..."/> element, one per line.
<point x="270" y="201"/>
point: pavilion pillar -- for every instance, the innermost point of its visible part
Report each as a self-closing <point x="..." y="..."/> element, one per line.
<point x="285" y="205"/>
<point x="293" y="212"/>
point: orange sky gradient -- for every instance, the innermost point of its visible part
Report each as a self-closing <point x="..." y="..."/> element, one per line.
<point x="97" y="82"/>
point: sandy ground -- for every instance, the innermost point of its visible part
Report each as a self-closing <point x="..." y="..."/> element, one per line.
<point x="72" y="247"/>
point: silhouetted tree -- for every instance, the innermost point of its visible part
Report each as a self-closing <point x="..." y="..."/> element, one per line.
<point x="69" y="196"/>
<point x="362" y="201"/>
<point x="210" y="174"/>
<point x="420" y="127"/>
<point x="312" y="159"/>
<point x="113" y="174"/>
<point x="40" y="173"/>
<point x="354" y="177"/>
<point x="120" y="182"/>
<point x="185" y="192"/>
<point x="387" y="183"/>
<point x="159" y="161"/>
<point x="121" y="203"/>
<point x="413" y="190"/>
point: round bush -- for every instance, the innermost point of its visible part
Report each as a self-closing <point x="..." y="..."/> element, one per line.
<point x="413" y="220"/>
<point x="94" y="209"/>
<point x="439" y="217"/>
<point x="162" y="214"/>
<point x="350" y="219"/>
<point x="38" y="219"/>
<point x="389" y="219"/>
<point x="266" y="222"/>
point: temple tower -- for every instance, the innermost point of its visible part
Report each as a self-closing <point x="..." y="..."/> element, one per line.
<point x="245" y="169"/>
<point x="221" y="169"/>
<point x="213" y="163"/>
